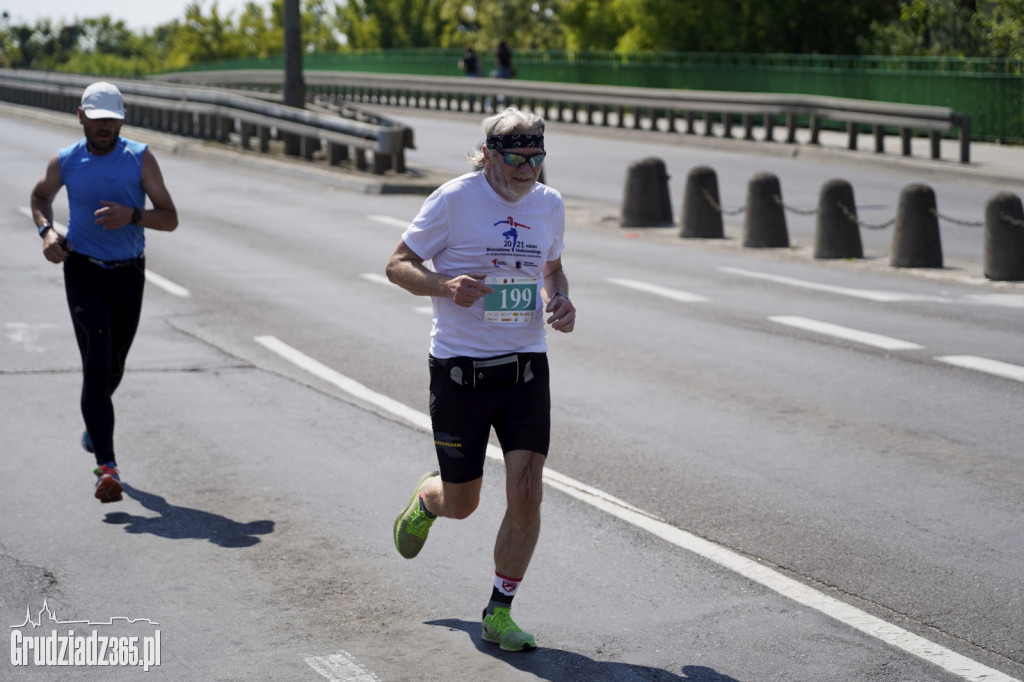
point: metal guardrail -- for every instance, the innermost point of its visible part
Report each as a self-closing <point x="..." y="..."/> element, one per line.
<point x="210" y="113"/>
<point x="639" y="107"/>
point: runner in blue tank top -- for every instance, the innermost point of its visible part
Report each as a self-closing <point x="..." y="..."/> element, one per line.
<point x="108" y="179"/>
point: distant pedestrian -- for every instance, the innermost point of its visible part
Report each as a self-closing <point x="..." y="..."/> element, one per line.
<point x="108" y="179"/>
<point x="470" y="63"/>
<point x="503" y="60"/>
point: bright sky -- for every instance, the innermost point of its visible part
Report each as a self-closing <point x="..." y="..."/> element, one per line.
<point x="138" y="14"/>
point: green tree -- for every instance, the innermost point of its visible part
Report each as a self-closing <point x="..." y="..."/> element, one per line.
<point x="759" y="26"/>
<point x="960" y="28"/>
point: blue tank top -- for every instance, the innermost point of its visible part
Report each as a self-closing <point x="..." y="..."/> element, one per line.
<point x="89" y="179"/>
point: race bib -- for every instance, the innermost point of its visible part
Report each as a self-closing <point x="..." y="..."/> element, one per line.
<point x="514" y="300"/>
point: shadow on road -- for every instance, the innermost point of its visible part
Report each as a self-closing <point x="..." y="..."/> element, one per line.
<point x="558" y="665"/>
<point x="181" y="523"/>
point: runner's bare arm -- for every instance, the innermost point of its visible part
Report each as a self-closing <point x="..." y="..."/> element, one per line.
<point x="406" y="269"/>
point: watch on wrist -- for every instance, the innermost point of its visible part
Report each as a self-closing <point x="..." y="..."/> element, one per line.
<point x="44" y="227"/>
<point x="136" y="216"/>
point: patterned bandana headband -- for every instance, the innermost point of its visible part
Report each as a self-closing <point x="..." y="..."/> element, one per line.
<point x="515" y="141"/>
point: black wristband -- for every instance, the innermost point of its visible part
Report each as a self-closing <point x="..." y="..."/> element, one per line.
<point x="136" y="216"/>
<point x="44" y="227"/>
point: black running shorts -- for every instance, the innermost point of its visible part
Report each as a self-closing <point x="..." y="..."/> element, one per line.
<point x="462" y="416"/>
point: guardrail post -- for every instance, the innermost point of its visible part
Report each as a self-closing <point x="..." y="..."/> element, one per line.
<point x="879" y="132"/>
<point x="769" y="127"/>
<point x="336" y="153"/>
<point x="646" y="201"/>
<point x="836" y="233"/>
<point x="748" y="126"/>
<point x="764" y="224"/>
<point x="852" y="128"/>
<point x="791" y="128"/>
<point x="915" y="241"/>
<point x="1004" y="238"/>
<point x="702" y="214"/>
<point x="963" y="123"/>
<point x="815" y="129"/>
<point x="709" y="124"/>
<point x="906" y="136"/>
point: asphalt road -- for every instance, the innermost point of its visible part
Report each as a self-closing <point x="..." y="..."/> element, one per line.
<point x="763" y="467"/>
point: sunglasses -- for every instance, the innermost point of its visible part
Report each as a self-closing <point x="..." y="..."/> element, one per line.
<point x="517" y="160"/>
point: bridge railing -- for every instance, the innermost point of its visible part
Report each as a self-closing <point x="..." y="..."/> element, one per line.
<point x="673" y="111"/>
<point x="371" y="141"/>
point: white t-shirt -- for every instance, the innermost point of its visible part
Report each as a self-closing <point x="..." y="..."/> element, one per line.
<point x="465" y="227"/>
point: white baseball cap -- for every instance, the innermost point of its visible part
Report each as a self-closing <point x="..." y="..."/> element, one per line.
<point x="102" y="100"/>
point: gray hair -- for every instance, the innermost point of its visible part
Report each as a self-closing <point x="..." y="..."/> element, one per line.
<point x="509" y="121"/>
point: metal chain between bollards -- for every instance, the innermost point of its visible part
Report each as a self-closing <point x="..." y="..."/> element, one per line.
<point x="1010" y="220"/>
<point x="778" y="200"/>
<point x="853" y="217"/>
<point x="718" y="207"/>
<point x="963" y="223"/>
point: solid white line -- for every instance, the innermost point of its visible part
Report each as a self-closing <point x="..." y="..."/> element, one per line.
<point x="350" y="386"/>
<point x="674" y="294"/>
<point x="167" y="285"/>
<point x="999" y="369"/>
<point x="162" y="282"/>
<point x="340" y="668"/>
<point x="748" y="568"/>
<point x="388" y="220"/>
<point x="867" y="338"/>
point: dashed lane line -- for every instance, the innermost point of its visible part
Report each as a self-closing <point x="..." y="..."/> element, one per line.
<point x="658" y="290"/>
<point x="151" y="277"/>
<point x="978" y="364"/>
<point x="847" y="333"/>
<point x="388" y="220"/>
<point x="842" y="612"/>
<point x="1007" y="300"/>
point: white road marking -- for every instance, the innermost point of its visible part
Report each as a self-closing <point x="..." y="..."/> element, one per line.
<point x="999" y="369"/>
<point x="350" y="386"/>
<point x="388" y="220"/>
<point x="851" y="616"/>
<point x="674" y="294"/>
<point x="340" y="668"/>
<point x="26" y="334"/>
<point x="1008" y="300"/>
<point x="382" y="279"/>
<point x="167" y="285"/>
<point x="155" y="279"/>
<point x="867" y="338"/>
<point x="375" y="277"/>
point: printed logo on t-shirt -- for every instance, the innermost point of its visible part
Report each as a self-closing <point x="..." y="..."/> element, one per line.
<point x="514" y="243"/>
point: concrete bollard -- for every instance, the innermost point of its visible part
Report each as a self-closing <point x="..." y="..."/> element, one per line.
<point x="646" y="201"/>
<point x="1004" y="238"/>
<point x="764" y="225"/>
<point x="915" y="241"/>
<point x="836" y="233"/>
<point x="702" y="214"/>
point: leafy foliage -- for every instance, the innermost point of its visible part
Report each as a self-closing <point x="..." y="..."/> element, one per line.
<point x="102" y="44"/>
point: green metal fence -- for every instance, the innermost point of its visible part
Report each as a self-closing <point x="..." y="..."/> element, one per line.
<point x="990" y="90"/>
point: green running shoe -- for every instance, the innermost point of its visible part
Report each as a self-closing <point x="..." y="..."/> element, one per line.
<point x="501" y="629"/>
<point x="413" y="524"/>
